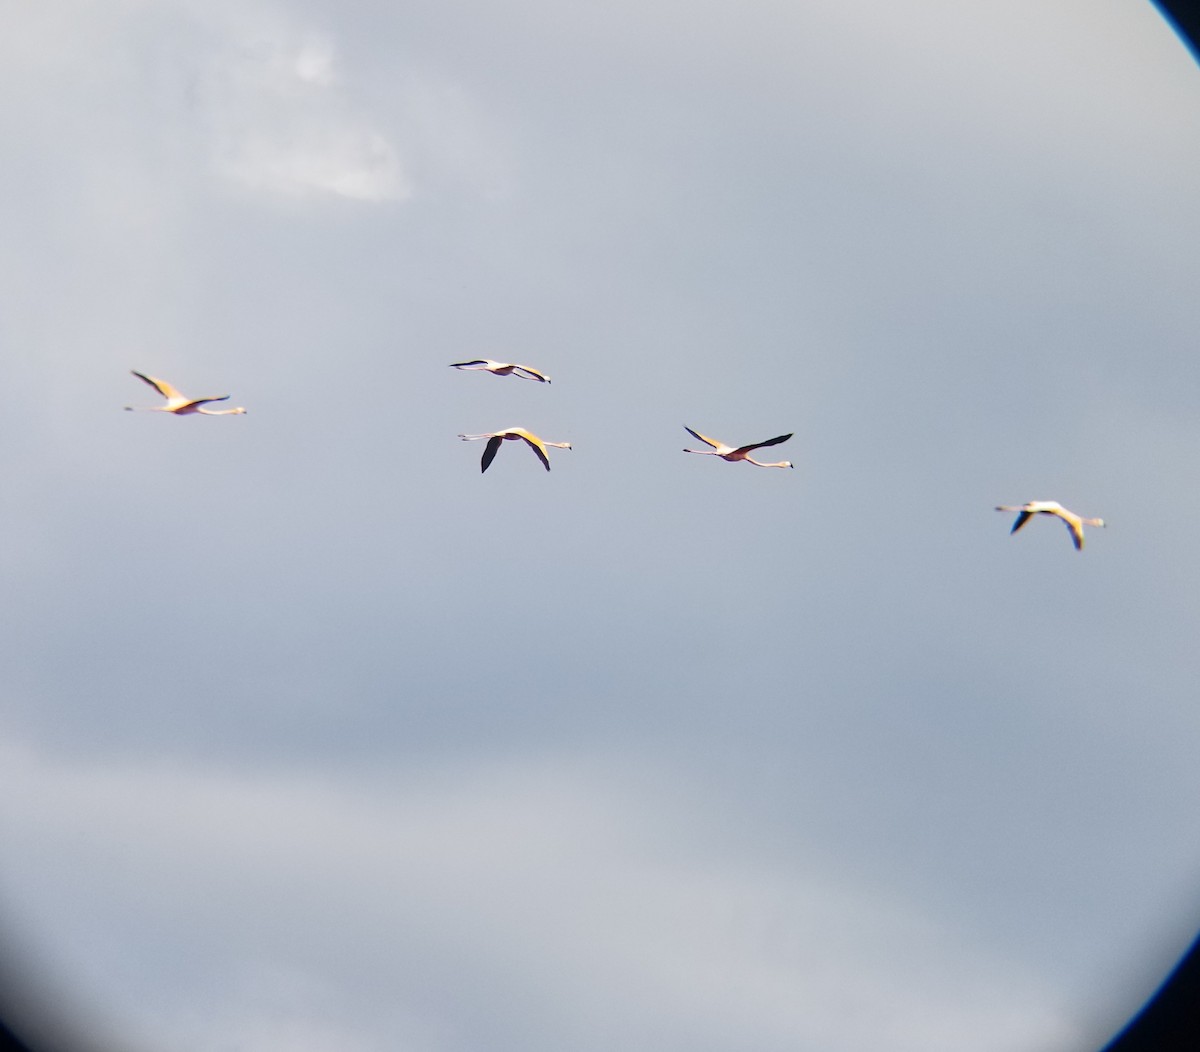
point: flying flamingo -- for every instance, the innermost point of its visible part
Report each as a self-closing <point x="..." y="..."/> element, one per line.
<point x="1075" y="523"/>
<point x="503" y="369"/>
<point x="513" y="434"/>
<point x="719" y="449"/>
<point x="180" y="404"/>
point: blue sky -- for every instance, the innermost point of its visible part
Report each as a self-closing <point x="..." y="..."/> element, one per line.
<point x="315" y="738"/>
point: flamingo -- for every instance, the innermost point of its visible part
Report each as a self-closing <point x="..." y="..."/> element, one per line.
<point x="513" y="434"/>
<point x="1075" y="523"/>
<point x="503" y="369"/>
<point x="719" y="449"/>
<point x="180" y="404"/>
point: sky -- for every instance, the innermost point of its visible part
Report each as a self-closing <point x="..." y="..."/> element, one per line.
<point x="314" y="738"/>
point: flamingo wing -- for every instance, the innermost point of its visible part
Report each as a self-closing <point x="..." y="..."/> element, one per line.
<point x="532" y="374"/>
<point x="700" y="438"/>
<point x="1022" y="518"/>
<point x="535" y="444"/>
<point x="489" y="453"/>
<point x="161" y="386"/>
<point x="1076" y="530"/>
<point x="759" y="445"/>
<point x="478" y="363"/>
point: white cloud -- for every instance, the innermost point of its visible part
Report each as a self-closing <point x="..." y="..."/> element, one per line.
<point x="281" y="115"/>
<point x="314" y="62"/>
<point x="901" y="235"/>
<point x="546" y="882"/>
<point x="281" y="120"/>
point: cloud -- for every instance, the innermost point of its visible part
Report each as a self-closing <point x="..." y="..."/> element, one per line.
<point x="902" y="244"/>
<point x="557" y="895"/>
<point x="281" y="120"/>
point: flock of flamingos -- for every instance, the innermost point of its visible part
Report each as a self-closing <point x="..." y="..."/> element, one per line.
<point x="181" y="405"/>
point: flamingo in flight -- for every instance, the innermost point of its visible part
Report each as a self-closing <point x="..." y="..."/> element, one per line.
<point x="513" y="434"/>
<point x="719" y="449"/>
<point x="1075" y="523"/>
<point x="180" y="404"/>
<point x="503" y="369"/>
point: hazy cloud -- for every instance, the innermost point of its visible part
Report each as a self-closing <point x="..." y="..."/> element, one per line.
<point x="281" y="121"/>
<point x="315" y="736"/>
<point x="552" y="885"/>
